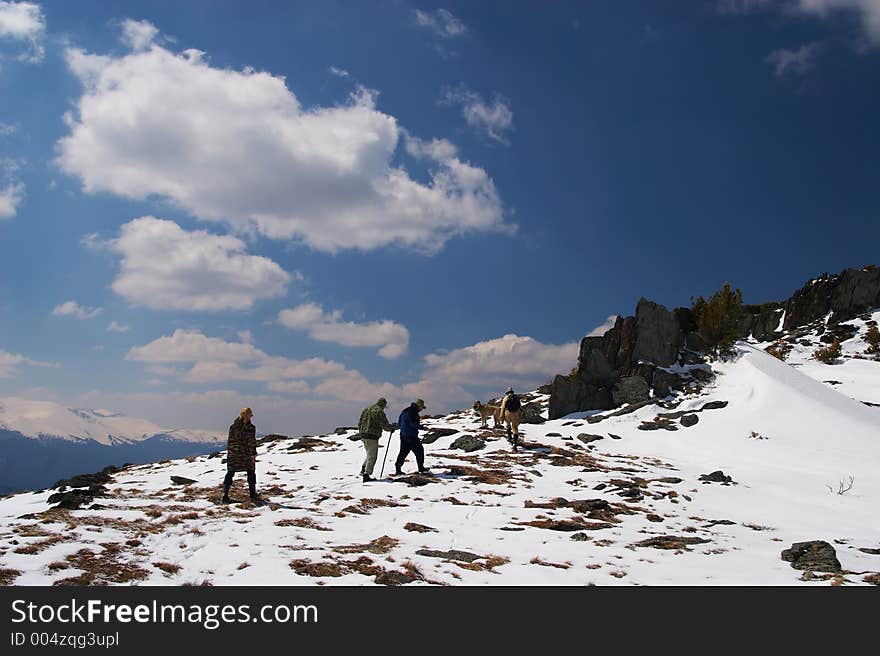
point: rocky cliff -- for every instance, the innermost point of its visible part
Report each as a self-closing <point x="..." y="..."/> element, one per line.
<point x="657" y="351"/>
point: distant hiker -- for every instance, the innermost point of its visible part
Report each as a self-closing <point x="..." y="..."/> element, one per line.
<point x="409" y="437"/>
<point x="371" y="424"/>
<point x="510" y="415"/>
<point x="241" y="454"/>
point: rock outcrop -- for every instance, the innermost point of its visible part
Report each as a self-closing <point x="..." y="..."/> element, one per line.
<point x="659" y="351"/>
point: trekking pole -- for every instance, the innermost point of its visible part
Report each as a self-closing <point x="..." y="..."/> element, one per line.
<point x="387" y="446"/>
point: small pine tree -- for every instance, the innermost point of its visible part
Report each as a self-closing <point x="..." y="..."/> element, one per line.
<point x="872" y="337"/>
<point x="718" y="318"/>
<point x="828" y="354"/>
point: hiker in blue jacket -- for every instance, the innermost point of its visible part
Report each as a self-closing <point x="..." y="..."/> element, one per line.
<point x="409" y="437"/>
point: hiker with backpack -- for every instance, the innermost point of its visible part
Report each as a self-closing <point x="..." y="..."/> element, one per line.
<point x="241" y="454"/>
<point x="409" y="437"/>
<point x="370" y="426"/>
<point x="510" y="415"/>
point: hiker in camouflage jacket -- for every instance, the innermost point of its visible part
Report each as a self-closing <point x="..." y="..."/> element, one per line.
<point x="241" y="454"/>
<point x="371" y="424"/>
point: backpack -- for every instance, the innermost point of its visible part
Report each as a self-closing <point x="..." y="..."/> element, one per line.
<point x="512" y="403"/>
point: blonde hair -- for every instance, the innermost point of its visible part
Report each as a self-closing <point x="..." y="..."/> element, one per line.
<point x="246" y="413"/>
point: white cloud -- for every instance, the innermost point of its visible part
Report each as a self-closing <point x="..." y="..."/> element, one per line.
<point x="9" y="363"/>
<point x="164" y="267"/>
<point x="392" y="337"/>
<point x="193" y="346"/>
<point x="117" y="328"/>
<point x="10" y="198"/>
<point x="338" y="72"/>
<point x="493" y="120"/>
<point x="138" y="35"/>
<point x="24" y="21"/>
<point x="506" y="360"/>
<point x="237" y="146"/>
<point x="215" y="360"/>
<point x="441" y="22"/>
<point x="604" y="327"/>
<point x="72" y="308"/>
<point x="793" y="62"/>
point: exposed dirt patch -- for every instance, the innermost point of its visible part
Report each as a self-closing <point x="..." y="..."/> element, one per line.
<point x="566" y="525"/>
<point x="418" y="528"/>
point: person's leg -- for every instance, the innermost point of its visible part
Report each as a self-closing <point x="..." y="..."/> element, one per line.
<point x="419" y="450"/>
<point x="252" y="482"/>
<point x="372" y="447"/>
<point x="227" y="483"/>
<point x="405" y="448"/>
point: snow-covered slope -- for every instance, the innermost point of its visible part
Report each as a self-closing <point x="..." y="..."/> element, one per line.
<point x="856" y="373"/>
<point x="568" y="509"/>
<point x="48" y="419"/>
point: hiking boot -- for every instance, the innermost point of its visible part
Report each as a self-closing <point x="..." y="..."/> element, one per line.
<point x="225" y="499"/>
<point x="257" y="500"/>
<point x="368" y="478"/>
<point x="398" y="472"/>
<point x="425" y="471"/>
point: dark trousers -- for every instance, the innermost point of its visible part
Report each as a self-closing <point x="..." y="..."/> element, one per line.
<point x="251" y="478"/>
<point x="414" y="445"/>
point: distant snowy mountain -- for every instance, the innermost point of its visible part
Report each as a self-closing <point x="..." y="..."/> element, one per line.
<point x="47" y="419"/>
<point x="42" y="441"/>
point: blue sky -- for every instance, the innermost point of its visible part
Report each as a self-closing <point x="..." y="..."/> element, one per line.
<point x="301" y="206"/>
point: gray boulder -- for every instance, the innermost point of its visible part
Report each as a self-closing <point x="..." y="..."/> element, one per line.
<point x="816" y="556"/>
<point x="468" y="443"/>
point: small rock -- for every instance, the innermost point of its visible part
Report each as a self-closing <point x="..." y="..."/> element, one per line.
<point x="468" y="443"/>
<point x="586" y="438"/>
<point x="716" y="477"/>
<point x="689" y="420"/>
<point x="554" y="434"/>
<point x="654" y="518"/>
<point x="714" y="405"/>
<point x="815" y="556"/>
<point x="432" y="435"/>
<point x="580" y="537"/>
<point x="452" y="554"/>
<point x="182" y="480"/>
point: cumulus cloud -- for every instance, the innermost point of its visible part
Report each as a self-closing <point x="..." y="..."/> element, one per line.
<point x="793" y="62"/>
<point x="74" y="309"/>
<point x="117" y="328"/>
<point x="164" y="267"/>
<point x="24" y="21"/>
<point x="604" y="327"/>
<point x="491" y="119"/>
<point x="138" y="35"/>
<point x="213" y="359"/>
<point x="10" y="198"/>
<point x="238" y="146"/>
<point x="505" y="360"/>
<point x="392" y="337"/>
<point x="9" y="363"/>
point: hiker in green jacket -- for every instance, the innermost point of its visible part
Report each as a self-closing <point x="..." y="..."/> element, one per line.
<point x="371" y="424"/>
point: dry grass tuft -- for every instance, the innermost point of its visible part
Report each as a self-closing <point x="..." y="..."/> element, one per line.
<point x="102" y="568"/>
<point x="302" y="522"/>
<point x="7" y="576"/>
<point x="168" y="568"/>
